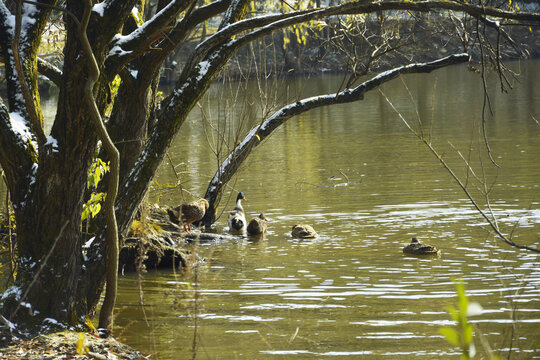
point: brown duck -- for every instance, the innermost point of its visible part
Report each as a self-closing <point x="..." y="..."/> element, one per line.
<point x="257" y="226"/>
<point x="417" y="248"/>
<point x="186" y="214"/>
<point x="303" y="231"/>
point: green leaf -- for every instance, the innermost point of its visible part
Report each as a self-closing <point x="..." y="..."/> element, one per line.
<point x="97" y="176"/>
<point x="463" y="301"/>
<point x="85" y="212"/>
<point x="95" y="209"/>
<point x="450" y="334"/>
<point x="467" y="334"/>
<point x="90" y="181"/>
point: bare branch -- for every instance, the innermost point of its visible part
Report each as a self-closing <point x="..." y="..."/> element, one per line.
<point x="179" y="32"/>
<point x="28" y="99"/>
<point x="271" y="23"/>
<point x="259" y="133"/>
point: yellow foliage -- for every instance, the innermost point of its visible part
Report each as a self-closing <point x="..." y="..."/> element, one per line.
<point x="81" y="349"/>
<point x="90" y="325"/>
<point x="137" y="228"/>
<point x="140" y="228"/>
<point x="286" y="41"/>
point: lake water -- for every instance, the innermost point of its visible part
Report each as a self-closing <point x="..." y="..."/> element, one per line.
<point x="367" y="185"/>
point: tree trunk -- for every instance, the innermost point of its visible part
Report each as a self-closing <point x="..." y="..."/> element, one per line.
<point x="47" y="203"/>
<point x="131" y="110"/>
<point x="49" y="245"/>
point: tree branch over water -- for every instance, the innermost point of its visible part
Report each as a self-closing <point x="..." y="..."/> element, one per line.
<point x="241" y="151"/>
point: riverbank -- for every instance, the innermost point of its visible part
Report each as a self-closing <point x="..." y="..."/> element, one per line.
<point x="63" y="345"/>
<point x="339" y="49"/>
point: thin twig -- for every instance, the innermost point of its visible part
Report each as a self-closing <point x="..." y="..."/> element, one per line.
<point x="27" y="96"/>
<point x="493" y="224"/>
<point x="486" y="102"/>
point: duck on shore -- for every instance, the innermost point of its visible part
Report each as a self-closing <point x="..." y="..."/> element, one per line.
<point x="303" y="231"/>
<point x="417" y="248"/>
<point x="186" y="214"/>
<point x="237" y="218"/>
<point x="257" y="226"/>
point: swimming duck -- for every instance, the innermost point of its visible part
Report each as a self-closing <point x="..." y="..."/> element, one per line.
<point x="257" y="226"/>
<point x="237" y="219"/>
<point x="303" y="231"/>
<point x="187" y="214"/>
<point x="417" y="248"/>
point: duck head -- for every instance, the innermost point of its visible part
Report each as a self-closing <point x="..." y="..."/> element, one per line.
<point x="240" y="196"/>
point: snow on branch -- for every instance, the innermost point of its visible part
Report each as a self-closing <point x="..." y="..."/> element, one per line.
<point x="50" y="71"/>
<point x="20" y="126"/>
<point x="18" y="146"/>
<point x="259" y="133"/>
<point x="143" y="37"/>
<point x="15" y="124"/>
<point x="231" y="15"/>
<point x="7" y="21"/>
<point x="29" y="15"/>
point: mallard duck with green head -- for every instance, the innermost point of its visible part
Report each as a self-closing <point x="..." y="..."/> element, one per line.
<point x="257" y="226"/>
<point x="237" y="218"/>
<point x="417" y="248"/>
<point x="186" y="214"/>
<point x="303" y="231"/>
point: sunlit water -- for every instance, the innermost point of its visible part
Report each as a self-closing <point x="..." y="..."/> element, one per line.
<point x="357" y="175"/>
<point x="367" y="185"/>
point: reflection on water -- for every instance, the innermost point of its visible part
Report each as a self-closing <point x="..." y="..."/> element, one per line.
<point x="351" y="293"/>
